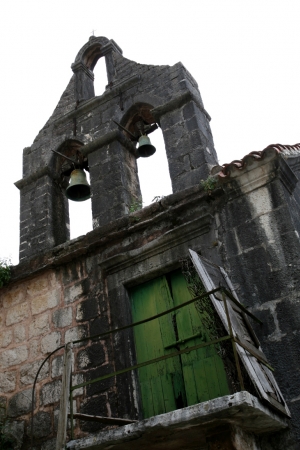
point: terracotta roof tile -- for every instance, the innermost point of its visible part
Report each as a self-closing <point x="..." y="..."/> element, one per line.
<point x="225" y="170"/>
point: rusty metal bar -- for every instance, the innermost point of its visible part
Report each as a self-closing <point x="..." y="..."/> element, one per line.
<point x="108" y="420"/>
<point x="236" y="358"/>
<point x="239" y="305"/>
<point x="71" y="409"/>
<point x="98" y="336"/>
<point x="151" y="361"/>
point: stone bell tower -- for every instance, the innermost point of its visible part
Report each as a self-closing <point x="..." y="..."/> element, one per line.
<point x="136" y="93"/>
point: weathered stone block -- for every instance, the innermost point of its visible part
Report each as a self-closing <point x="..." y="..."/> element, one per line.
<point x="5" y="338"/>
<point x="34" y="349"/>
<point x="49" y="445"/>
<point x="41" y="425"/>
<point x="100" y="386"/>
<point x="72" y="293"/>
<point x="7" y="381"/>
<point x="87" y="309"/>
<point x="15" y="431"/>
<point x="2" y="317"/>
<point x="3" y="402"/>
<point x="17" y="313"/>
<point x="75" y="333"/>
<point x="29" y="371"/>
<point x="14" y="296"/>
<point x="19" y="333"/>
<point x="50" y="393"/>
<point x="20" y="403"/>
<point x="94" y="406"/>
<point x="50" y="342"/>
<point x="37" y="285"/>
<point x="93" y="356"/>
<point x="62" y="317"/>
<point x="39" y="325"/>
<point x="72" y="272"/>
<point x="78" y="379"/>
<point x="45" y="301"/>
<point x="14" y="356"/>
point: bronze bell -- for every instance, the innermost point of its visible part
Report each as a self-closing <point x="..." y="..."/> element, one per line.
<point x="145" y="148"/>
<point x="78" y="189"/>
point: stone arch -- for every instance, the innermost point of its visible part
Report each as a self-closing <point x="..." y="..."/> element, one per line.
<point x="157" y="163"/>
<point x="93" y="46"/>
<point x="68" y="147"/>
<point x="137" y="112"/>
<point x="86" y="61"/>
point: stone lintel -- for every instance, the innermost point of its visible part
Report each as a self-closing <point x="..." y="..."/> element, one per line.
<point x="189" y="426"/>
<point x="176" y="103"/>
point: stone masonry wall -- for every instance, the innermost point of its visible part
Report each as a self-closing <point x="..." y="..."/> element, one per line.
<point x="163" y="94"/>
<point x="260" y="246"/>
<point x="79" y="292"/>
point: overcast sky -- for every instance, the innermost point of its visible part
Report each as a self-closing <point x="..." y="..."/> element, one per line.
<point x="243" y="54"/>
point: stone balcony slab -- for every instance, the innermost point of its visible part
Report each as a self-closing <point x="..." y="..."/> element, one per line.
<point x="190" y="427"/>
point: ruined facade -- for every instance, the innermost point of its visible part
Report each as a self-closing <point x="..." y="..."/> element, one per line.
<point x="247" y="221"/>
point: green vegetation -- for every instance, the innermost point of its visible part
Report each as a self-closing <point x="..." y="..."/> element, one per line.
<point x="5" y="264"/>
<point x="136" y="205"/>
<point x="209" y="184"/>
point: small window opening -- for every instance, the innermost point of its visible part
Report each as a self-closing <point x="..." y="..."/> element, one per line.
<point x="153" y="172"/>
<point x="100" y="74"/>
<point x="80" y="214"/>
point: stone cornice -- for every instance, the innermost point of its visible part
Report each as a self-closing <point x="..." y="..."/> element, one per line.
<point x="178" y="102"/>
<point x="32" y="178"/>
<point x="79" y="66"/>
<point x="173" y="205"/>
<point x="111" y="136"/>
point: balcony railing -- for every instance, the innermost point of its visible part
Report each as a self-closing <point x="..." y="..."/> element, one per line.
<point x="68" y="389"/>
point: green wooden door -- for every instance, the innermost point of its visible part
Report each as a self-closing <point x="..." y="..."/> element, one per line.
<point x="203" y="369"/>
<point x="184" y="380"/>
<point x="161" y="384"/>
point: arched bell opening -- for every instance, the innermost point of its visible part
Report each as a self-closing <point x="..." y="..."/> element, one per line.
<point x="100" y="77"/>
<point x="75" y="186"/>
<point x="152" y="163"/>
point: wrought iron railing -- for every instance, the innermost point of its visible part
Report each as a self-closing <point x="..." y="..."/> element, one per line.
<point x="68" y="388"/>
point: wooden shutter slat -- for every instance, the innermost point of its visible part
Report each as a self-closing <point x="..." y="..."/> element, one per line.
<point x="263" y="379"/>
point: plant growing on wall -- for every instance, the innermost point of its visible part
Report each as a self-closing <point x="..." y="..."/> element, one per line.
<point x="136" y="205"/>
<point x="5" y="264"/>
<point x="209" y="184"/>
